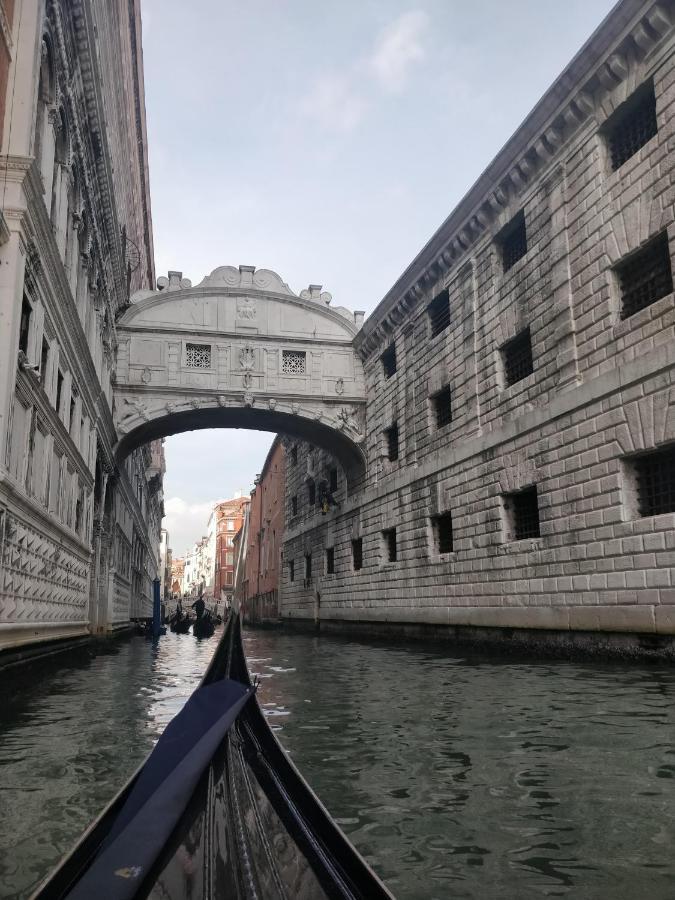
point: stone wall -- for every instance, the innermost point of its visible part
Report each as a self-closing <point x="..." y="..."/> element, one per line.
<point x="600" y="391"/>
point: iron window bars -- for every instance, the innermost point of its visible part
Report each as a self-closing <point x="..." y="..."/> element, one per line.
<point x="524" y="507"/>
<point x="632" y="125"/>
<point x="439" y="312"/>
<point x="645" y="276"/>
<point x="517" y="356"/>
<point x="656" y="482"/>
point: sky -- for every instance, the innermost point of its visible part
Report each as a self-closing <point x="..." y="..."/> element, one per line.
<point x="326" y="141"/>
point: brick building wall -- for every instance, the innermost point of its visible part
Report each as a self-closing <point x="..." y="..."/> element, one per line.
<point x="229" y="518"/>
<point x="504" y="442"/>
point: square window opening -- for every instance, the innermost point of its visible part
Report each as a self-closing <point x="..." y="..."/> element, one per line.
<point x="442" y="404"/>
<point x="330" y="561"/>
<point x="391" y="438"/>
<point x="439" y="312"/>
<point x="389" y="361"/>
<point x="645" y="276"/>
<point x="513" y="241"/>
<point x="293" y="362"/>
<point x="631" y="125"/>
<point x="443" y="532"/>
<point x="291" y="570"/>
<point x="389" y="536"/>
<point x="357" y="553"/>
<point x="522" y="508"/>
<point x="198" y="356"/>
<point x="655" y="482"/>
<point x="517" y="357"/>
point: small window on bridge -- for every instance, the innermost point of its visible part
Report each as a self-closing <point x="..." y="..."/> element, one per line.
<point x="293" y="362"/>
<point x="198" y="356"/>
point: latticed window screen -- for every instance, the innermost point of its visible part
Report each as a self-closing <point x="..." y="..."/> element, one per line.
<point x="389" y="361"/>
<point x="391" y="437"/>
<point x="632" y="125"/>
<point x="357" y="553"/>
<point x="524" y="509"/>
<point x="656" y="482"/>
<point x="646" y="276"/>
<point x="517" y="356"/>
<point x="443" y="407"/>
<point x="514" y="241"/>
<point x="439" y="312"/>
<point x="443" y="524"/>
<point x="390" y="543"/>
<point x="198" y="356"/>
<point x="330" y="561"/>
<point x="293" y="362"/>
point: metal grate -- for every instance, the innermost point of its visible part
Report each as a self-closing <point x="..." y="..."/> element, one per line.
<point x="656" y="482"/>
<point x="632" y="125"/>
<point x="333" y="480"/>
<point x="291" y="570"/>
<point x="391" y="437"/>
<point x="525" y="513"/>
<point x="444" y="533"/>
<point x="514" y="241"/>
<point x="198" y="356"/>
<point x="646" y="276"/>
<point x="443" y="407"/>
<point x="357" y="553"/>
<point x="390" y="543"/>
<point x="439" y="312"/>
<point x="293" y="362"/>
<point x="389" y="361"/>
<point x="517" y="356"/>
<point x="330" y="561"/>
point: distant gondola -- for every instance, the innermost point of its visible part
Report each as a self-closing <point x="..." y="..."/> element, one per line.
<point x="248" y="827"/>
<point x="180" y="625"/>
<point x="203" y="626"/>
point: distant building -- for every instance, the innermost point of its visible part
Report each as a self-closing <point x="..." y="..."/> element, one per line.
<point x="261" y="542"/>
<point x="227" y="519"/>
<point x="177" y="572"/>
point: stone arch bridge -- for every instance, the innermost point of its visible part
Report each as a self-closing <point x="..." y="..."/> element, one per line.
<point x="240" y="350"/>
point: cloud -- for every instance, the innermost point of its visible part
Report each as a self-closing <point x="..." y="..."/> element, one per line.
<point x="335" y="103"/>
<point x="185" y="522"/>
<point x="398" y="49"/>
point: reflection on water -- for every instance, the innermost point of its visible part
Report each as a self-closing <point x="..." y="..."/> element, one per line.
<point x="455" y="777"/>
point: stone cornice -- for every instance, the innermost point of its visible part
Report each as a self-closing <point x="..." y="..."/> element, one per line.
<point x="625" y="38"/>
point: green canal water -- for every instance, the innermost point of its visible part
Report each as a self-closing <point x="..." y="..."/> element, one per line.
<point x="456" y="777"/>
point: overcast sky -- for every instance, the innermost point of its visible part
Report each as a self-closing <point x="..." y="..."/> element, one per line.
<point x="326" y="141"/>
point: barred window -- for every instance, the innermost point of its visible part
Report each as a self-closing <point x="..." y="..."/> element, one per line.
<point x="656" y="482"/>
<point x="198" y="356"/>
<point x="439" y="312"/>
<point x="330" y="561"/>
<point x="442" y="402"/>
<point x="293" y="362"/>
<point x="645" y="276"/>
<point x="389" y="536"/>
<point x="513" y="240"/>
<point x="357" y="553"/>
<point x="389" y="360"/>
<point x="517" y="356"/>
<point x="443" y="529"/>
<point x="391" y="437"/>
<point x="632" y="125"/>
<point x="523" y="510"/>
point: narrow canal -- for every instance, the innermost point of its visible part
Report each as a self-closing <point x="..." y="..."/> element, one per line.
<point x="472" y="778"/>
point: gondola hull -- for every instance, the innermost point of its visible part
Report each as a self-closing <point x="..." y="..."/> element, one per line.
<point x="251" y="829"/>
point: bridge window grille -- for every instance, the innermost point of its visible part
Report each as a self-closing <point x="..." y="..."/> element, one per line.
<point x="389" y="536"/>
<point x="523" y="507"/>
<point x="391" y="438"/>
<point x="333" y="480"/>
<point x="198" y="356"/>
<point x="514" y="241"/>
<point x="442" y="402"/>
<point x="443" y="527"/>
<point x="293" y="362"/>
<point x="311" y="493"/>
<point x="517" y="356"/>
<point x="357" y="553"/>
<point x="389" y="360"/>
<point x="656" y="482"/>
<point x="632" y="125"/>
<point x="439" y="312"/>
<point x="291" y="570"/>
<point x="330" y="561"/>
<point x="294" y="505"/>
<point x="645" y="276"/>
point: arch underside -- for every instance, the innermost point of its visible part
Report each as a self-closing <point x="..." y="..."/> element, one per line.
<point x="339" y="445"/>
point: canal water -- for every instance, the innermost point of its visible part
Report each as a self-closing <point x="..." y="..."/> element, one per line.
<point x="473" y="778"/>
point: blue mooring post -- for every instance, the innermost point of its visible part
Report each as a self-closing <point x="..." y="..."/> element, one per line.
<point x="156" y="609"/>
